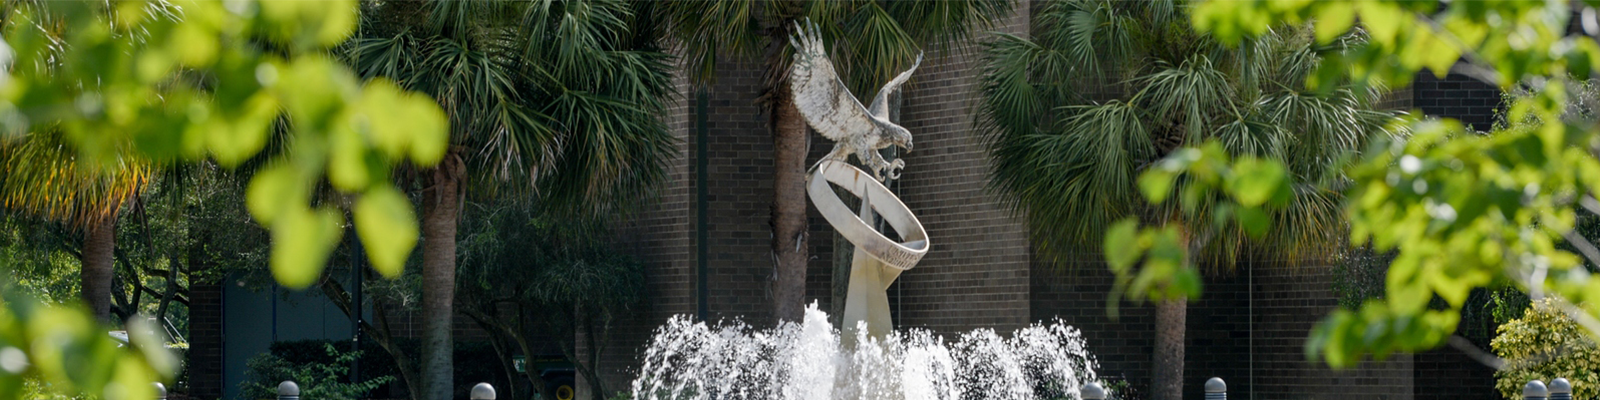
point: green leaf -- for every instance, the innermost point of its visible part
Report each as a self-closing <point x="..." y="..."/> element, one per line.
<point x="1156" y="184"/>
<point x="430" y="135"/>
<point x="1439" y="55"/>
<point x="347" y="160"/>
<point x="232" y="141"/>
<point x="1334" y="19"/>
<point x="1186" y="284"/>
<point x="314" y="90"/>
<point x="387" y="227"/>
<point x="310" y="23"/>
<point x="402" y="123"/>
<point x="1383" y="20"/>
<point x="1254" y="181"/>
<point x="1122" y="244"/>
<point x="1254" y="221"/>
<point x="272" y="190"/>
<point x="302" y="239"/>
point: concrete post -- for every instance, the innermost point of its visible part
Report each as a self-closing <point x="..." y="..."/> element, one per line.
<point x="1535" y="390"/>
<point x="161" y="391"/>
<point x="288" y="390"/>
<point x="1093" y="391"/>
<point x="1560" y="389"/>
<point x="1216" y="389"/>
<point x="482" y="391"/>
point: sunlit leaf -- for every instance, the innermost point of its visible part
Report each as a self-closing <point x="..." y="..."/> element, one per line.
<point x="387" y="227"/>
<point x="1255" y="181"/>
<point x="272" y="190"/>
<point x="1156" y="184"/>
<point x="302" y="239"/>
<point x="1121" y="245"/>
<point x="1333" y="20"/>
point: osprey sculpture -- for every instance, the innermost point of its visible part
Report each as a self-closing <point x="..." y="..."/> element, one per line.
<point x="877" y="260"/>
<point x="828" y="107"/>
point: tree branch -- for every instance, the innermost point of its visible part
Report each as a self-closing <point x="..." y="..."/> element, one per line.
<point x="1483" y="357"/>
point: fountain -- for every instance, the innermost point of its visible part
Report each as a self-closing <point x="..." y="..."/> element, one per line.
<point x="868" y="359"/>
<point x="805" y="361"/>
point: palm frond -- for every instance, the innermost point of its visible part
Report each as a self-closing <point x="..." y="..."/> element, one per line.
<point x="1068" y="138"/>
<point x="553" y="95"/>
<point x="705" y="28"/>
<point x="44" y="177"/>
<point x="1091" y="159"/>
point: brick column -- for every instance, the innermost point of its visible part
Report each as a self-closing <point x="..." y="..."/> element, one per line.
<point x="204" y="364"/>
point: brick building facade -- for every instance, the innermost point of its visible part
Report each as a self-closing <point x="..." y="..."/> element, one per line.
<point x="1249" y="327"/>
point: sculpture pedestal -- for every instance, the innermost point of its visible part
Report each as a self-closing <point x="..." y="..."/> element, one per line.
<point x="877" y="260"/>
<point x="868" y="298"/>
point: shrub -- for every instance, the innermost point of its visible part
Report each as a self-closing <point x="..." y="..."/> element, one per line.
<point x="1545" y="344"/>
<point x="375" y="361"/>
<point x="475" y="361"/>
<point x="317" y="380"/>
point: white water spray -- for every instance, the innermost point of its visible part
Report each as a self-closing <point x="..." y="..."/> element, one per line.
<point x="804" y="361"/>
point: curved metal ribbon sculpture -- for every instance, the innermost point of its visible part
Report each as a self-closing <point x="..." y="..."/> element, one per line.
<point x="878" y="260"/>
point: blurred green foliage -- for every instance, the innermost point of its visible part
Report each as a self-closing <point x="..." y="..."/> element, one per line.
<point x="182" y="80"/>
<point x="178" y="81"/>
<point x="1460" y="209"/>
<point x="65" y="351"/>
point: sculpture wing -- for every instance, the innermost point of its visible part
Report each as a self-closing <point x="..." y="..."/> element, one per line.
<point x="822" y="98"/>
<point x="880" y="103"/>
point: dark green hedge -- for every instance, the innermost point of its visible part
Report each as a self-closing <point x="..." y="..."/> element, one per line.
<point x="475" y="361"/>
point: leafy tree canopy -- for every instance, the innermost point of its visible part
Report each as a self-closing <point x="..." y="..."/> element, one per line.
<point x="1460" y="209"/>
<point x="184" y="80"/>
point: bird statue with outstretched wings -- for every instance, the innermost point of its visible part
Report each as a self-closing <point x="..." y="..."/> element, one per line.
<point x="828" y="106"/>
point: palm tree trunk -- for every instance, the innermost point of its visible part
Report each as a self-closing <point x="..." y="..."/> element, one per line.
<point x="789" y="247"/>
<point x="1167" y="364"/>
<point x="591" y="372"/>
<point x="99" y="245"/>
<point x="441" y="207"/>
<point x="408" y="371"/>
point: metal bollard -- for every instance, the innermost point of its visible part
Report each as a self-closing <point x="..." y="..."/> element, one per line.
<point x="1216" y="389"/>
<point x="161" y="391"/>
<point x="288" y="390"/>
<point x="482" y="391"/>
<point x="1093" y="391"/>
<point x="1535" y="390"/>
<point x="1560" y="389"/>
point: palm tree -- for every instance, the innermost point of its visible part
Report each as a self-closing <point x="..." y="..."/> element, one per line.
<point x="1105" y="88"/>
<point x="562" y="97"/>
<point x="43" y="177"/>
<point x="874" y="41"/>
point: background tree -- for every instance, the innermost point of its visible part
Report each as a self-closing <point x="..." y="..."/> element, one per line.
<point x="1106" y="89"/>
<point x="527" y="277"/>
<point x="563" y="99"/>
<point x="189" y="226"/>
<point x="43" y="177"/>
<point x="871" y="41"/>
